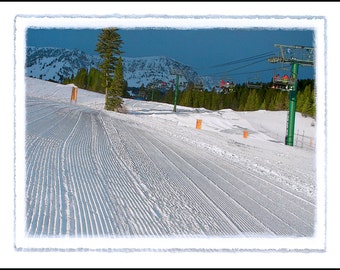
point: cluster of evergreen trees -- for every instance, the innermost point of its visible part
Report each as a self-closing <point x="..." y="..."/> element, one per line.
<point x="92" y="80"/>
<point x="242" y="98"/>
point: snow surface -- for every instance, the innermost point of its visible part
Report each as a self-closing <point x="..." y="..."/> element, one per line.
<point x="149" y="178"/>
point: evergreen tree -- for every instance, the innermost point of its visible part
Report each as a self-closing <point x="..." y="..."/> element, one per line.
<point x="81" y="78"/>
<point x="198" y="99"/>
<point x="96" y="81"/>
<point x="115" y="92"/>
<point x="263" y="105"/>
<point x="188" y="96"/>
<point x="272" y="103"/>
<point x="93" y="80"/>
<point x="125" y="90"/>
<point x="207" y="99"/>
<point x="313" y="104"/>
<point x="282" y="101"/>
<point x="108" y="47"/>
<point x="243" y="99"/>
<point x="261" y="96"/>
<point x="308" y="102"/>
<point x="299" y="100"/>
<point x="169" y="96"/>
<point x="214" y="100"/>
<point x="269" y="98"/>
<point x="252" y="101"/>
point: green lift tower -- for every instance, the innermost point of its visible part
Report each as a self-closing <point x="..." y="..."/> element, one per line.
<point x="178" y="73"/>
<point x="294" y="55"/>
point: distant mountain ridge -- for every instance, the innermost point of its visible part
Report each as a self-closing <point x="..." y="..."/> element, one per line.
<point x="57" y="64"/>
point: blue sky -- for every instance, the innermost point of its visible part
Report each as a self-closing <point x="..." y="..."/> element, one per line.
<point x="236" y="54"/>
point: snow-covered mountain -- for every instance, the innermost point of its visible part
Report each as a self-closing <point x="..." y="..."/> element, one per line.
<point x="156" y="69"/>
<point x="56" y="64"/>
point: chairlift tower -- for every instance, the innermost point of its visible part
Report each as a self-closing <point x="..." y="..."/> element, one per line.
<point x="295" y="55"/>
<point x="178" y="73"/>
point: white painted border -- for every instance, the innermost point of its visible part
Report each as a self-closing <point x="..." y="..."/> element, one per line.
<point x="280" y="10"/>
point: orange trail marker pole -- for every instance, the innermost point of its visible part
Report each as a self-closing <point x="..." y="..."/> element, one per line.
<point x="198" y="123"/>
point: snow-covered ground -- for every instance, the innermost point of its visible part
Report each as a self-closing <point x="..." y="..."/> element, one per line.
<point x="149" y="179"/>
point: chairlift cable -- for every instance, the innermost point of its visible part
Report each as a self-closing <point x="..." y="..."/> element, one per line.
<point x="263" y="55"/>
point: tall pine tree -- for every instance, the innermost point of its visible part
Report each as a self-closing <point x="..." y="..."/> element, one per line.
<point x="108" y="47"/>
<point x="115" y="91"/>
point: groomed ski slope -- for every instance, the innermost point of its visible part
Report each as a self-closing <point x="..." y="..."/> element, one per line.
<point x="90" y="172"/>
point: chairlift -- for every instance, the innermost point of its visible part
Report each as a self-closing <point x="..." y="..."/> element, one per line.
<point x="254" y="83"/>
<point x="198" y="85"/>
<point x="284" y="83"/>
<point x="183" y="84"/>
<point x="227" y="86"/>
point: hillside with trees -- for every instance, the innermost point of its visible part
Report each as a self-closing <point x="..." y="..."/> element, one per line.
<point x="242" y="98"/>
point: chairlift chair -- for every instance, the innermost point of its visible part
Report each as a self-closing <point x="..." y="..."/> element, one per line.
<point x="227" y="86"/>
<point x="183" y="84"/>
<point x="253" y="83"/>
<point x="198" y="85"/>
<point x="283" y="83"/>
